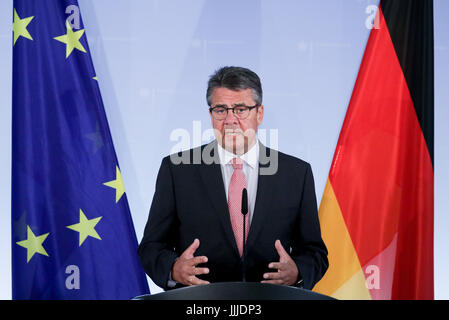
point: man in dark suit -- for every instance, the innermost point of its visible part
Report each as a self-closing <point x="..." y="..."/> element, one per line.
<point x="194" y="232"/>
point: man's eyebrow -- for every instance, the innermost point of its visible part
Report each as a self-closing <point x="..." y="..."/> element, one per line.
<point x="238" y="104"/>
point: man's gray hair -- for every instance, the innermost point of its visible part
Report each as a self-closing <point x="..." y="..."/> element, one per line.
<point x="235" y="78"/>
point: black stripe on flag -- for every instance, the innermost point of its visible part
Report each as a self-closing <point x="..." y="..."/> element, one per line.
<point x="410" y="24"/>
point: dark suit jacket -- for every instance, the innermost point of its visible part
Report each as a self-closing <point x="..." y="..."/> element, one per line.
<point x="190" y="202"/>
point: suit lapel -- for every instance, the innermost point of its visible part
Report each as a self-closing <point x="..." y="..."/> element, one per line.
<point x="214" y="185"/>
<point x="263" y="206"/>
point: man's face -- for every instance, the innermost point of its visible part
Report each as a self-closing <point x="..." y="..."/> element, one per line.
<point x="233" y="134"/>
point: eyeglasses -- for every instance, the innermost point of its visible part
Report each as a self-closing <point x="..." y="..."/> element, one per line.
<point x="240" y="111"/>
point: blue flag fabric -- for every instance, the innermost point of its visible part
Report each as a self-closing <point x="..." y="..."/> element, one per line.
<point x="72" y="232"/>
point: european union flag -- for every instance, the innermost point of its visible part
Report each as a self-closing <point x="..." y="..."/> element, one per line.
<point x="72" y="236"/>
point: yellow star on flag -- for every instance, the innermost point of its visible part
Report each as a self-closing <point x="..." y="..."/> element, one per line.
<point x="117" y="184"/>
<point x="72" y="40"/>
<point x="85" y="228"/>
<point x="19" y="27"/>
<point x="33" y="244"/>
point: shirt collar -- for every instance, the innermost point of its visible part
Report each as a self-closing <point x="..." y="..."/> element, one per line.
<point x="251" y="157"/>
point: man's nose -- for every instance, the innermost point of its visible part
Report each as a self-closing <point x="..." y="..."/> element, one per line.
<point x="231" y="118"/>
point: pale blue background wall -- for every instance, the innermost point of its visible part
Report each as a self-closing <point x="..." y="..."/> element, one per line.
<point x="153" y="59"/>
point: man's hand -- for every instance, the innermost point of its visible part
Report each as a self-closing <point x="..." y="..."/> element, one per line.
<point x="184" y="269"/>
<point x="287" y="271"/>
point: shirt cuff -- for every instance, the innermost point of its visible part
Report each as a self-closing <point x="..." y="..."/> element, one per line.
<point x="171" y="283"/>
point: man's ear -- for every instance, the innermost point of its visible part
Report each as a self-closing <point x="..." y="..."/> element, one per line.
<point x="260" y="111"/>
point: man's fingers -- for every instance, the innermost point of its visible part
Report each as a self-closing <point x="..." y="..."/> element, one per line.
<point x="276" y="265"/>
<point x="198" y="260"/>
<point x="198" y="271"/>
<point x="287" y="270"/>
<point x="196" y="281"/>
<point x="200" y="282"/>
<point x="188" y="253"/>
<point x="280" y="249"/>
<point x="272" y="276"/>
<point x="188" y="271"/>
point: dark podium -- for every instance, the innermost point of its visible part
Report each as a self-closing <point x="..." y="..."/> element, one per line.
<point x="237" y="291"/>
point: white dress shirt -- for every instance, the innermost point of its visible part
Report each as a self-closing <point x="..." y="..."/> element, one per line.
<point x="250" y="169"/>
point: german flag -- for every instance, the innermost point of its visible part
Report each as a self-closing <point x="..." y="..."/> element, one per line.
<point x="376" y="213"/>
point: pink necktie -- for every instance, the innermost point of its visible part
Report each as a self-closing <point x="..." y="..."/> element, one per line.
<point x="238" y="182"/>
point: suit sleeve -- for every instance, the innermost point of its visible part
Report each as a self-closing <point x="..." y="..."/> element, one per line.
<point x="308" y="249"/>
<point x="156" y="250"/>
